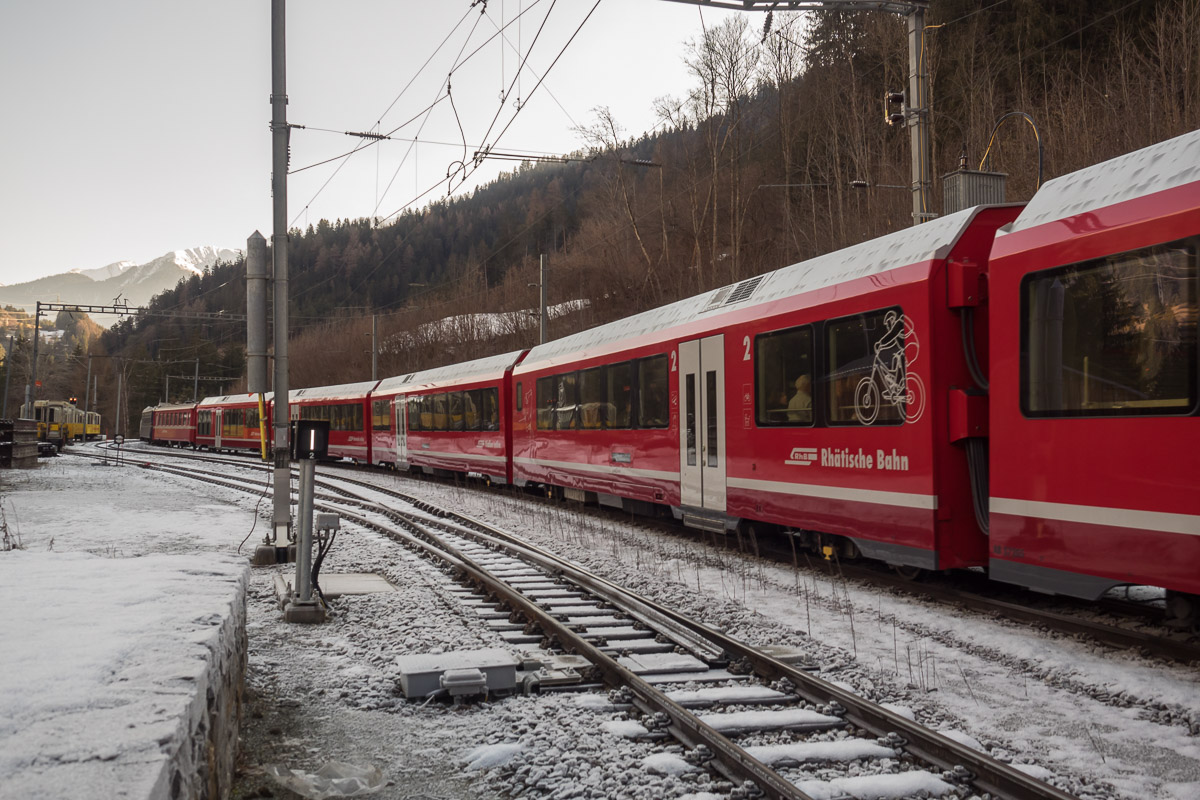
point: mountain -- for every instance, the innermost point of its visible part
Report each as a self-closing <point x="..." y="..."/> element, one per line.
<point x="104" y="273"/>
<point x="133" y="283"/>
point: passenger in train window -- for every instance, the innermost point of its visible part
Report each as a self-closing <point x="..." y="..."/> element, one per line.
<point x="800" y="406"/>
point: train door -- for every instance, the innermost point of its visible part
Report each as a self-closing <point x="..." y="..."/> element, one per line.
<point x="702" y="423"/>
<point x="400" y="403"/>
<point x="216" y="422"/>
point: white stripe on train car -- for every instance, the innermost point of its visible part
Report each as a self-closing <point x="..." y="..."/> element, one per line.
<point x="413" y="452"/>
<point x="603" y="469"/>
<point x="924" y="502"/>
<point x="1188" y="524"/>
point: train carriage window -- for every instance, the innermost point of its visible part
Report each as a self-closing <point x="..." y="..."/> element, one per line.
<point x="653" y="400"/>
<point x="381" y="419"/>
<point x="441" y="416"/>
<point x="593" y="413"/>
<point x="472" y="403"/>
<point x="783" y="372"/>
<point x="566" y="414"/>
<point x="547" y="399"/>
<point x="489" y="416"/>
<point x="519" y="399"/>
<point x="619" y="394"/>
<point x="1115" y="336"/>
<point x="867" y="380"/>
<point x="458" y="411"/>
<point x="414" y="413"/>
<point x="427" y="413"/>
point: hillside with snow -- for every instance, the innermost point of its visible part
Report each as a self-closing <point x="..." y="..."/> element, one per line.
<point x="131" y="282"/>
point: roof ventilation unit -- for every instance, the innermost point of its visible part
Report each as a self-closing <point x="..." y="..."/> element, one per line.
<point x="729" y="295"/>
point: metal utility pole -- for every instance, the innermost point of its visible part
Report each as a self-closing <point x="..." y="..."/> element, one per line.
<point x="31" y="387"/>
<point x="542" y="304"/>
<point x="87" y="385"/>
<point x="120" y="376"/>
<point x="916" y="112"/>
<point x="196" y="382"/>
<point x="917" y="118"/>
<point x="374" y="347"/>
<point x="282" y="516"/>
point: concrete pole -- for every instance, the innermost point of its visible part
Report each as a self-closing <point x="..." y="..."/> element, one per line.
<point x="282" y="516"/>
<point x="542" y="313"/>
<point x="374" y="347"/>
<point x="196" y="382"/>
<point x="918" y="120"/>
<point x="8" y="373"/>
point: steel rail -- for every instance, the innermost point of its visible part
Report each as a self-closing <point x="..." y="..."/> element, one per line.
<point x="730" y="760"/>
<point x="1184" y="651"/>
<point x="985" y="772"/>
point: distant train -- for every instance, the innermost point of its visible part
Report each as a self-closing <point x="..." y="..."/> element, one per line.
<point x="1007" y="387"/>
<point x="60" y="421"/>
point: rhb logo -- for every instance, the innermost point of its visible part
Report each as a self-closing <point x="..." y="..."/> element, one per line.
<point x="802" y="456"/>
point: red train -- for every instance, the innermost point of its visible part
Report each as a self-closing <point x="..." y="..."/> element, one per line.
<point x="1007" y="387"/>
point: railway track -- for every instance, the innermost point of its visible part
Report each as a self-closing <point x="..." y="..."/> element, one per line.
<point x="1178" y="646"/>
<point x="756" y="717"/>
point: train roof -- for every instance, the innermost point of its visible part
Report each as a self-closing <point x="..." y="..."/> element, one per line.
<point x="929" y="241"/>
<point x="480" y="368"/>
<point x="345" y="391"/>
<point x="174" y="406"/>
<point x="1162" y="166"/>
<point x="226" y="399"/>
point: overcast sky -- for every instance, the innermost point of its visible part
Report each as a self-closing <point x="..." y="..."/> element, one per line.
<point x="137" y="127"/>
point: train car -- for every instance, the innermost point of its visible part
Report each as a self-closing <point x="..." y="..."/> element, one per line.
<point x="816" y="399"/>
<point x="450" y="419"/>
<point x="347" y="410"/>
<point x="231" y="422"/>
<point x="146" y="424"/>
<point x="1093" y="370"/>
<point x="58" y="421"/>
<point x="92" y="425"/>
<point x="174" y="425"/>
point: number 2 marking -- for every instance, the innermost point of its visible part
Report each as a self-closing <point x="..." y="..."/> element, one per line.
<point x="746" y="343"/>
<point x="674" y="365"/>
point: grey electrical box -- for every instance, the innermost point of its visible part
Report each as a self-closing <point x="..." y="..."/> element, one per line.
<point x="422" y="674"/>
<point x="464" y="682"/>
<point x="967" y="188"/>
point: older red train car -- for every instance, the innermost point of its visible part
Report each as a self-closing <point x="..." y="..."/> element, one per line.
<point x="173" y="424"/>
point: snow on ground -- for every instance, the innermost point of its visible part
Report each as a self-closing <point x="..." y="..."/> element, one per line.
<point x="106" y="633"/>
<point x="1098" y="722"/>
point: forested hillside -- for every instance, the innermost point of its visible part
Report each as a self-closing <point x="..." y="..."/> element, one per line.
<point x="750" y="172"/>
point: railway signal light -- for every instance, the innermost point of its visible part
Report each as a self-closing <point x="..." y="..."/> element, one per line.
<point x="72" y="398"/>
<point x="896" y="117"/>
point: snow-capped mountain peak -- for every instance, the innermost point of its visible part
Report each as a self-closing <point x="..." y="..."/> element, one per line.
<point x="106" y="272"/>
